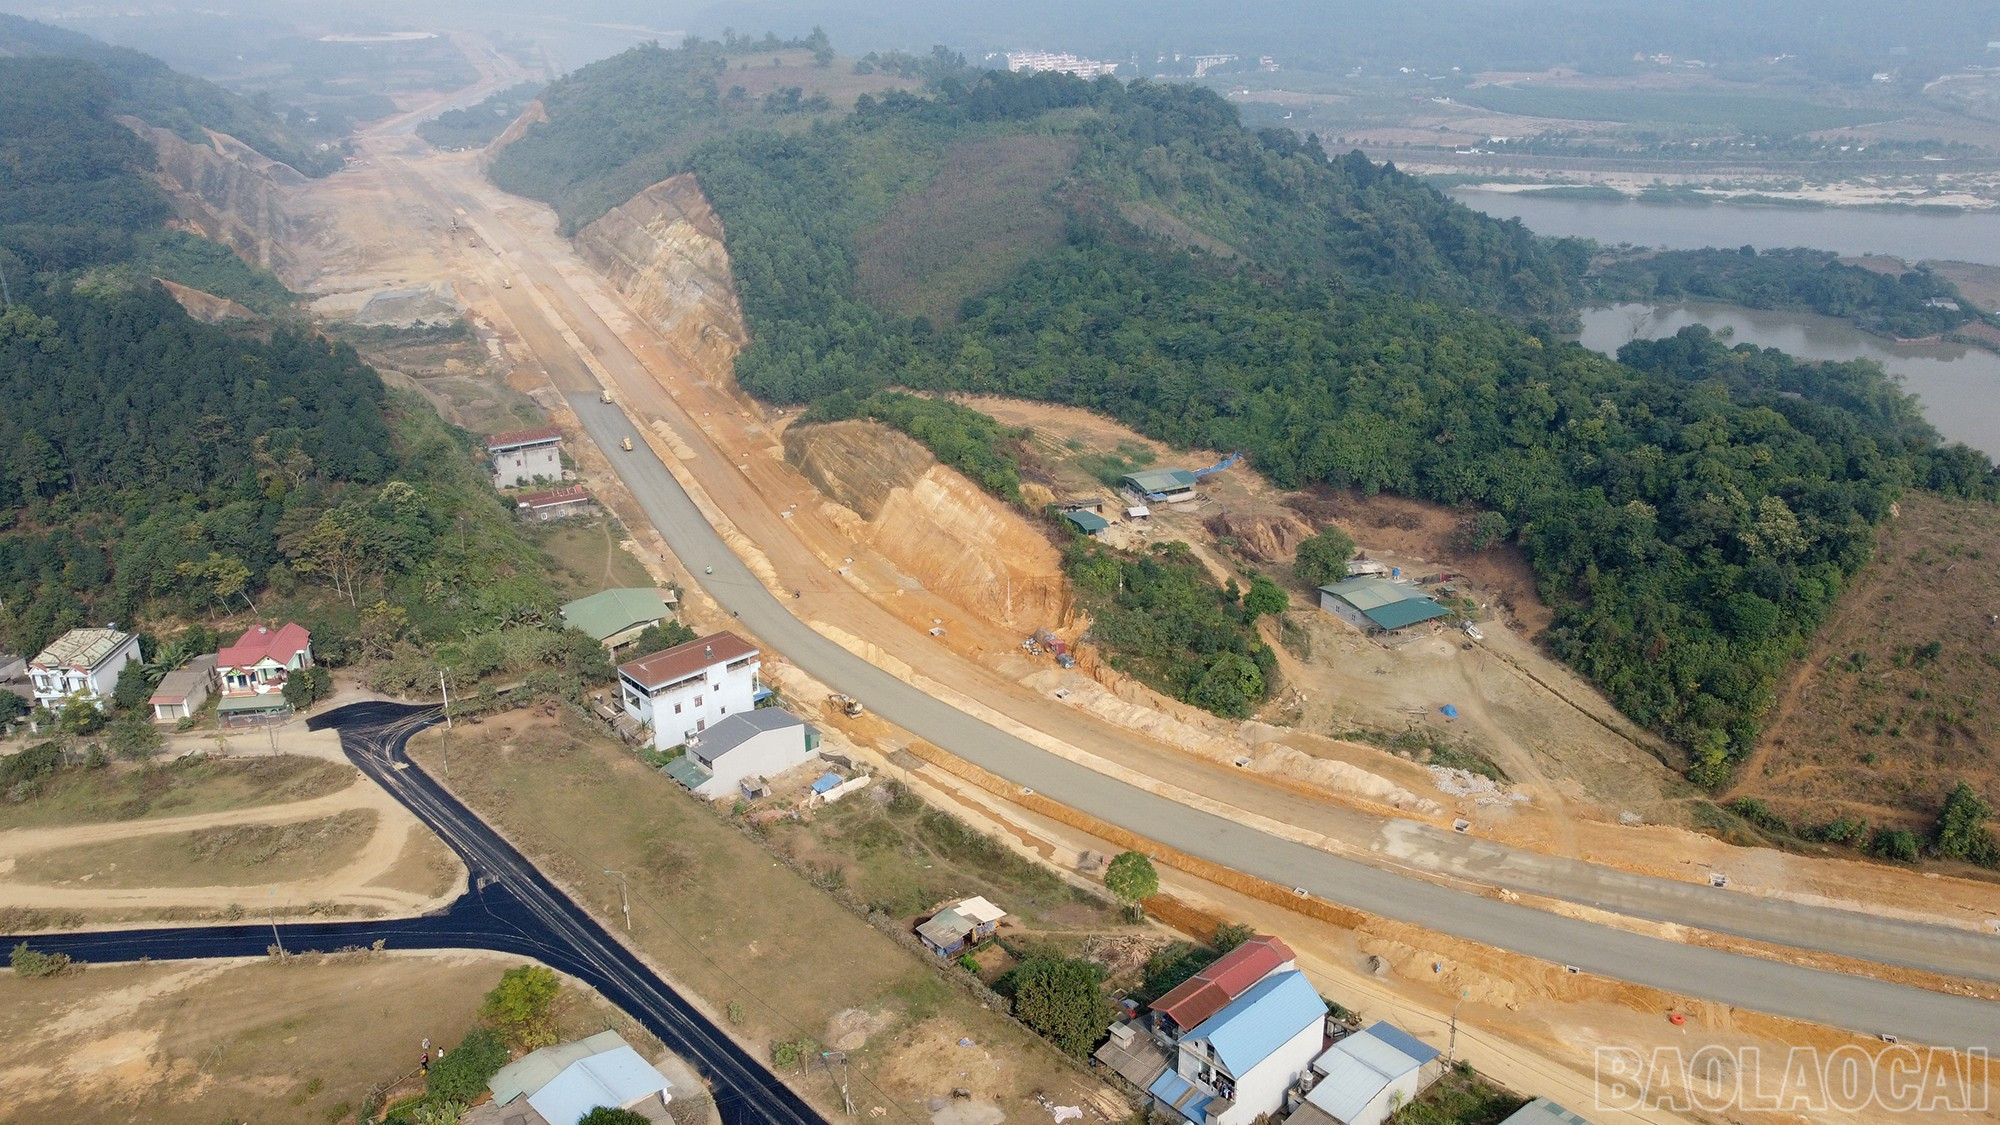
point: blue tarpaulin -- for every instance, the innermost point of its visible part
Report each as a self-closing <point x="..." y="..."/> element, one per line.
<point x="827" y="781"/>
<point x="1448" y="711"/>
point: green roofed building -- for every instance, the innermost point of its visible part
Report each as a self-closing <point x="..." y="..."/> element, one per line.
<point x="617" y="617"/>
<point x="1167" y="486"/>
<point x="1090" y="523"/>
<point x="1378" y="605"/>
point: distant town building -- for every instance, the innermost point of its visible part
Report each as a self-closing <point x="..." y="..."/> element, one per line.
<point x="83" y="665"/>
<point x="1063" y="62"/>
<point x="525" y="456"/>
<point x="680" y="692"/>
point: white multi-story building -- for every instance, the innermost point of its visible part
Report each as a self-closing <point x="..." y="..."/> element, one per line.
<point x="83" y="664"/>
<point x="526" y="456"/>
<point x="681" y="692"/>
<point x="1237" y="1064"/>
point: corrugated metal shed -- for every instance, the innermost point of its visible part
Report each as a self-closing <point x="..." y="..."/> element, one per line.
<point x="1390" y="605"/>
<point x="1542" y="1111"/>
<point x="1090" y="523"/>
<point x="615" y="1078"/>
<point x="1358" y="1068"/>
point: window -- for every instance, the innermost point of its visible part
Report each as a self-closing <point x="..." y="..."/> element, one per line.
<point x="701" y="724"/>
<point x="697" y="701"/>
<point x="677" y="708"/>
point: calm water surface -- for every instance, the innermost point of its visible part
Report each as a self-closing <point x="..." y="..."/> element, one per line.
<point x="1970" y="236"/>
<point x="1959" y="387"/>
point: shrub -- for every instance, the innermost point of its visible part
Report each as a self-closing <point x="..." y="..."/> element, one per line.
<point x="30" y="963"/>
<point x="521" y="1006"/>
<point x="1131" y="877"/>
<point x="1062" y="999"/>
<point x="1899" y="844"/>
<point x="464" y="1070"/>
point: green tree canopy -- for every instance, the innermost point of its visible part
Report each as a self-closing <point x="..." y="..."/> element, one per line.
<point x="1322" y="559"/>
<point x="522" y="1006"/>
<point x="461" y="1075"/>
<point x="1265" y="598"/>
<point x="1961" y="831"/>
<point x="1063" y="1000"/>
<point x="611" y="1115"/>
<point x="1131" y="877"/>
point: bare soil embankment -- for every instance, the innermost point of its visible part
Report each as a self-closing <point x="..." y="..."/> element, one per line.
<point x="936" y="526"/>
<point x="229" y="193"/>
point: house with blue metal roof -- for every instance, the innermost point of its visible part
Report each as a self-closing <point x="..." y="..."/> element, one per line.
<point x="1367" y="1076"/>
<point x="1237" y="1064"/>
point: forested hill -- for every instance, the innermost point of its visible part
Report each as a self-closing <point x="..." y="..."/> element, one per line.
<point x="142" y="86"/>
<point x="1169" y="160"/>
<point x="1691" y="516"/>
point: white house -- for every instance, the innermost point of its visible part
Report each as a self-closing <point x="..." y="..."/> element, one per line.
<point x="252" y="672"/>
<point x="1369" y="1075"/>
<point x="736" y="755"/>
<point x="1237" y="1065"/>
<point x="525" y="456"/>
<point x="82" y="664"/>
<point x="680" y="692"/>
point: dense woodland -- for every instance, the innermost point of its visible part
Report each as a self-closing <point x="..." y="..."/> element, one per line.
<point x="1691" y="514"/>
<point x="172" y="476"/>
<point x="1894" y="303"/>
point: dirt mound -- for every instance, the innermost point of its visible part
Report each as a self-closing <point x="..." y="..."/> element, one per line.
<point x="851" y="1028"/>
<point x="205" y="307"/>
<point x="935" y="526"/>
<point x="663" y="249"/>
<point x="1265" y="537"/>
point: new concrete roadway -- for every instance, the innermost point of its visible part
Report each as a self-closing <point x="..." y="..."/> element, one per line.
<point x="509" y="907"/>
<point x="1859" y="1003"/>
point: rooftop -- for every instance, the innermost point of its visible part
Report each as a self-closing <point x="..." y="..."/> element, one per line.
<point x="1390" y="605"/>
<point x="514" y="439"/>
<point x="1362" y="1065"/>
<point x="533" y="1070"/>
<point x="1153" y="481"/>
<point x="1261" y="1020"/>
<point x="617" y="1078"/>
<point x="737" y="729"/>
<point x="1209" y="991"/>
<point x="1542" y="1111"/>
<point x="260" y="643"/>
<point x="683" y="660"/>
<point x="180" y="683"/>
<point x="82" y="648"/>
<point x="1090" y="523"/>
<point x="613" y="611"/>
<point x="553" y="497"/>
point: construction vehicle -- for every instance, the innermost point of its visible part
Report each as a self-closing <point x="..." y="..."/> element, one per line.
<point x="626" y="445"/>
<point x="1472" y="631"/>
<point x="506" y="283"/>
<point x="604" y="396"/>
<point x="849" y="706"/>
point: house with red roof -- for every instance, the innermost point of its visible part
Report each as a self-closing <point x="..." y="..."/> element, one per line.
<point x="252" y="672"/>
<point x="1143" y="1047"/>
<point x="525" y="456"/>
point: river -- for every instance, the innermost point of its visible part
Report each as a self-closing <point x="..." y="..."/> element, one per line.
<point x="1967" y="236"/>
<point x="1958" y="386"/>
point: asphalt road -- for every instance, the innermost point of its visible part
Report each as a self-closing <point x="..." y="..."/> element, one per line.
<point x="1858" y="1003"/>
<point x="509" y="907"/>
<point x="557" y="323"/>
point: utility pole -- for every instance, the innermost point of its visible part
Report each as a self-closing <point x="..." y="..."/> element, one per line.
<point x="624" y="903"/>
<point x="447" y="723"/>
<point x="276" y="939"/>
<point x="1451" y="1051"/>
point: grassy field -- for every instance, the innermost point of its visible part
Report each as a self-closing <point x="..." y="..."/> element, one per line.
<point x="901" y="857"/>
<point x="1894" y="705"/>
<point x="242" y="854"/>
<point x="586" y="557"/>
<point x="775" y="959"/>
<point x="1741" y="113"/>
<point x="83" y="796"/>
<point x="194" y="1043"/>
<point x="987" y="212"/>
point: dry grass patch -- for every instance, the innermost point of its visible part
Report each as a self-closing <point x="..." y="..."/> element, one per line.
<point x="427" y="866"/>
<point x="772" y="957"/>
<point x="222" y="856"/>
<point x="193" y="1043"/>
<point x="87" y="796"/>
<point x="1895" y="704"/>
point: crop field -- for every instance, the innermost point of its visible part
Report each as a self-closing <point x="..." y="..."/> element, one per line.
<point x="1737" y="113"/>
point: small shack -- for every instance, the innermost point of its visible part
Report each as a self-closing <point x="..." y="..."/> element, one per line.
<point x="1089" y="523"/>
<point x="616" y="617"/>
<point x="964" y="923"/>
<point x="555" y="503"/>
